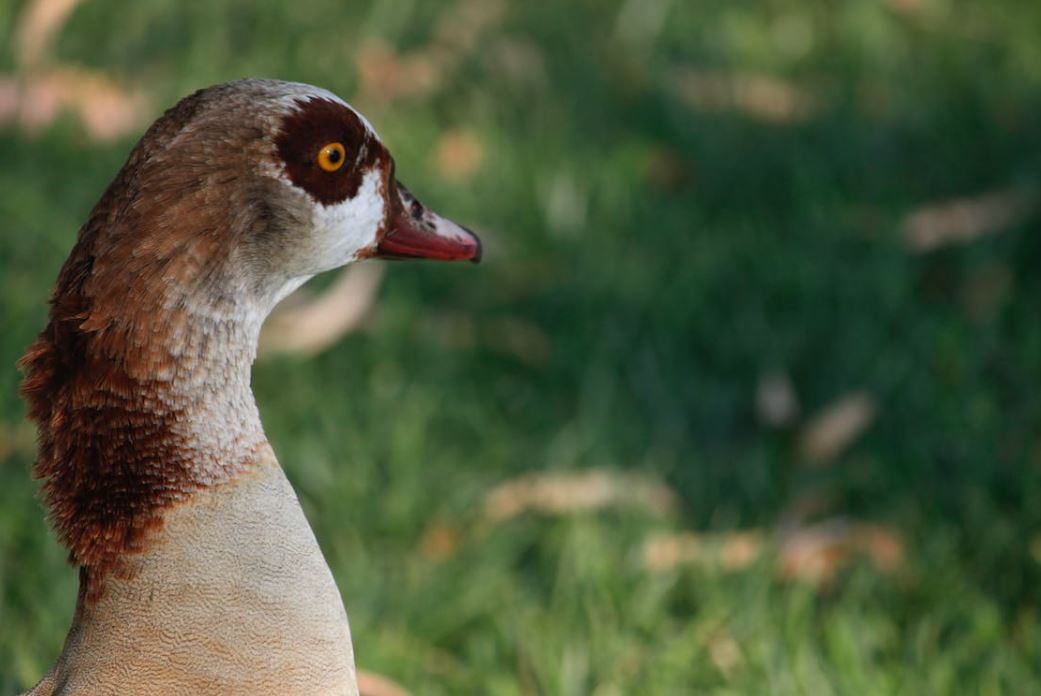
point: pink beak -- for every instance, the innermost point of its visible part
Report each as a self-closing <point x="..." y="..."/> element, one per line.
<point x="415" y="232"/>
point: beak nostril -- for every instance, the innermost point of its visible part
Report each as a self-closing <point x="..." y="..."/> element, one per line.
<point x="415" y="232"/>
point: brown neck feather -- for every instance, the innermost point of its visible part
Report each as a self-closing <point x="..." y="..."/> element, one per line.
<point x="139" y="387"/>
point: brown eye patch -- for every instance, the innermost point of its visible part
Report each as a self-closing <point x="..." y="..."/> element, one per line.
<point x="313" y="126"/>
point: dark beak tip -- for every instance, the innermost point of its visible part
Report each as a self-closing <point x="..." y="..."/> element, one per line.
<point x="479" y="253"/>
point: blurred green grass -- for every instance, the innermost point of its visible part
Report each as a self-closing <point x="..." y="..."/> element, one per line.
<point x="670" y="256"/>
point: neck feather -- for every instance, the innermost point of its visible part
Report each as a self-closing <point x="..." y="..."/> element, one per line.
<point x="136" y="412"/>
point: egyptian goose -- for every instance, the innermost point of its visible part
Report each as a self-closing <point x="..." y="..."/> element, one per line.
<point x="198" y="572"/>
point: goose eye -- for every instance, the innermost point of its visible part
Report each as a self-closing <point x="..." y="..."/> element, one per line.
<point x="331" y="157"/>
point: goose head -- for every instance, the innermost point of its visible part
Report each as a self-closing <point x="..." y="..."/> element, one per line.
<point x="140" y="383"/>
<point x="268" y="183"/>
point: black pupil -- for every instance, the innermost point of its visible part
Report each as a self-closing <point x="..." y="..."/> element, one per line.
<point x="333" y="155"/>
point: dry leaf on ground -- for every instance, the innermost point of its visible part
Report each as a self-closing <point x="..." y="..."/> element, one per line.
<point x="960" y="220"/>
<point x="440" y="541"/>
<point x="459" y="154"/>
<point x="39" y="92"/>
<point x="385" y="75"/>
<point x="107" y="110"/>
<point x="566" y="492"/>
<point x="372" y="684"/>
<point x="316" y="323"/>
<point x="759" y="96"/>
<point x="723" y="650"/>
<point x="729" y="550"/>
<point x="815" y="553"/>
<point x="463" y="25"/>
<point x="38" y="24"/>
<point x="832" y="430"/>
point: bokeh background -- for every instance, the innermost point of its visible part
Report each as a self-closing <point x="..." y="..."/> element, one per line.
<point x="744" y="398"/>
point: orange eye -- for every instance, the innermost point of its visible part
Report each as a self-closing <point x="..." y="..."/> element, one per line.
<point x="331" y="157"/>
